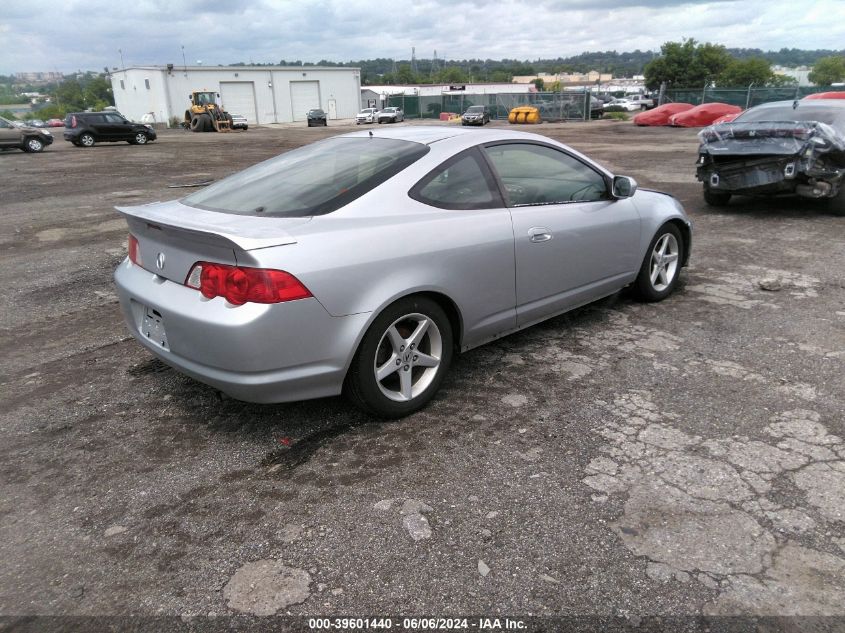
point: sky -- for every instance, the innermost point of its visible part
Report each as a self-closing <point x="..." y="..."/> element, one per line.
<point x="66" y="35"/>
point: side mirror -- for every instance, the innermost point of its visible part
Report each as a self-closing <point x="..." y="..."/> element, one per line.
<point x="624" y="186"/>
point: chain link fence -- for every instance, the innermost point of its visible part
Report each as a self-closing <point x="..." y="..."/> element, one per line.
<point x="553" y="106"/>
<point x="742" y="97"/>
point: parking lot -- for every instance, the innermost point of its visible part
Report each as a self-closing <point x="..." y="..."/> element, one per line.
<point x="626" y="459"/>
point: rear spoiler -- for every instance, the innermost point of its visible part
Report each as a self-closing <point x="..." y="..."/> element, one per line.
<point x="244" y="232"/>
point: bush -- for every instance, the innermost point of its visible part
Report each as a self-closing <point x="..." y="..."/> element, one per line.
<point x="616" y="115"/>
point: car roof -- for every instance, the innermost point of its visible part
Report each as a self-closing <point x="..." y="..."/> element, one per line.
<point x="428" y="134"/>
<point x="804" y="105"/>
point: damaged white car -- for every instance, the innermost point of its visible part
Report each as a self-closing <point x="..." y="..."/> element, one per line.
<point x="780" y="148"/>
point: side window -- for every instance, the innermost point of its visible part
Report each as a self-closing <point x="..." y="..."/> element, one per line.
<point x="113" y="118"/>
<point x="462" y="182"/>
<point x="4" y="124"/>
<point x="95" y="119"/>
<point x="537" y="174"/>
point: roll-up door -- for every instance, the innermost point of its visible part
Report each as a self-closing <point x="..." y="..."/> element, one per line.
<point x="304" y="96"/>
<point x="239" y="98"/>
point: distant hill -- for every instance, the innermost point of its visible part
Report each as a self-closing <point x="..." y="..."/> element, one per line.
<point x="623" y="64"/>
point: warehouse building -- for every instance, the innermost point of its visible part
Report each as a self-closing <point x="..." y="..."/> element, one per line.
<point x="263" y="94"/>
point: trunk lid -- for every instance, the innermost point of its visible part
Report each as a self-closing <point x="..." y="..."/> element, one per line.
<point x="172" y="237"/>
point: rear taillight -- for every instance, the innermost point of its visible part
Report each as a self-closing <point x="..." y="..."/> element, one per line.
<point x="134" y="250"/>
<point x="239" y="285"/>
<point x="73" y="121"/>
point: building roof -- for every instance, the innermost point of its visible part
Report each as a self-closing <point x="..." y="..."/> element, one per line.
<point x="180" y="67"/>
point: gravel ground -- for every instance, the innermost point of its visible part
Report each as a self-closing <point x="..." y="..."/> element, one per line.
<point x="624" y="460"/>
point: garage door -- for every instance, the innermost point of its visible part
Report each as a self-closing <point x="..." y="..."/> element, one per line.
<point x="239" y="98"/>
<point x="304" y="96"/>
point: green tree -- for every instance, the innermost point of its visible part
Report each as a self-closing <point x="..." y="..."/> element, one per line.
<point x="686" y="64"/>
<point x="539" y="84"/>
<point x="404" y="75"/>
<point x="97" y="93"/>
<point x="452" y="75"/>
<point x="828" y="70"/>
<point x="744" y="72"/>
<point x="69" y="95"/>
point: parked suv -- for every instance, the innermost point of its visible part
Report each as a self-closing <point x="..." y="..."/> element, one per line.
<point x="29" y="139"/>
<point x="83" y="129"/>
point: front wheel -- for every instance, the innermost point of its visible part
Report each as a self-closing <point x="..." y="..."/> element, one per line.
<point x="33" y="145"/>
<point x="402" y="359"/>
<point x="661" y="267"/>
<point x="715" y="198"/>
<point x="139" y="139"/>
<point x="836" y="204"/>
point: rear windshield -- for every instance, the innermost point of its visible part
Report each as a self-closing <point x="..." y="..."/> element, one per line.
<point x="312" y="180"/>
<point x="787" y="113"/>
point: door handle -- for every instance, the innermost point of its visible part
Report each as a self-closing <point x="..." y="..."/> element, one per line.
<point x="539" y="234"/>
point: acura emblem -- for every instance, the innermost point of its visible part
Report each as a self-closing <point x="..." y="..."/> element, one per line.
<point x="160" y="261"/>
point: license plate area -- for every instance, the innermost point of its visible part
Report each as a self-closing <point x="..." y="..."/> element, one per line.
<point x="152" y="326"/>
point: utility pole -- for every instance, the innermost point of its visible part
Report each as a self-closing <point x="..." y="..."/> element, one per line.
<point x="414" y="60"/>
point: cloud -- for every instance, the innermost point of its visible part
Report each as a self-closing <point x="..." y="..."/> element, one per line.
<point x="71" y="35"/>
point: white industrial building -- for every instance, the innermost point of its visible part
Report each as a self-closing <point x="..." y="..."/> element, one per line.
<point x="263" y="94"/>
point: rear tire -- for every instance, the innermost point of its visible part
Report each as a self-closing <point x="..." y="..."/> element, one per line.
<point x="86" y="140"/>
<point x="402" y="359"/>
<point x="196" y="124"/>
<point x="661" y="266"/>
<point x="716" y="198"/>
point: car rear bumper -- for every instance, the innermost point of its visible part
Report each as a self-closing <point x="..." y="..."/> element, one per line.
<point x="254" y="352"/>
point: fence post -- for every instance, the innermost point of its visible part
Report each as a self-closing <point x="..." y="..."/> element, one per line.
<point x="704" y="93"/>
<point x="587" y="104"/>
<point x="662" y="94"/>
<point x="748" y="95"/>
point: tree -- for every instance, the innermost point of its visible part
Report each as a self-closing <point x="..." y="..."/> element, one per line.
<point x="686" y="64"/>
<point x="97" y="93"/>
<point x="404" y="75"/>
<point x="539" y="84"/>
<point x="828" y="70"/>
<point x="69" y="95"/>
<point x="744" y="72"/>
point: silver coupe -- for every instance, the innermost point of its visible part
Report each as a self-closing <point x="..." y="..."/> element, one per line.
<point x="361" y="263"/>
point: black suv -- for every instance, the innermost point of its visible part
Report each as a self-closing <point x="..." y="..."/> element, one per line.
<point x="83" y="129"/>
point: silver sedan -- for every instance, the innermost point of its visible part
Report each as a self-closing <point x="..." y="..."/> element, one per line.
<point x="363" y="262"/>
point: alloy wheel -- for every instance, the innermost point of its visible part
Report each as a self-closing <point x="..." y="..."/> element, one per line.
<point x="664" y="262"/>
<point x="408" y="357"/>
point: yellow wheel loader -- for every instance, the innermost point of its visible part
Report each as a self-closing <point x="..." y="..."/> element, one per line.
<point x="206" y="114"/>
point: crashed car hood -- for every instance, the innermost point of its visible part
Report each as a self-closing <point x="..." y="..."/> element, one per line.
<point x="772" y="138"/>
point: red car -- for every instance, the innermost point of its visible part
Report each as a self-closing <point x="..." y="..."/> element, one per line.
<point x="661" y="114"/>
<point x="703" y="115"/>
<point x="827" y="95"/>
<point x="55" y="123"/>
<point x="727" y="118"/>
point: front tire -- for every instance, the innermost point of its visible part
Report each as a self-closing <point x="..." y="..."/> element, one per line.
<point x="716" y="198"/>
<point x="836" y="204"/>
<point x="33" y="145"/>
<point x="661" y="267"/>
<point x="139" y="139"/>
<point x="402" y="359"/>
